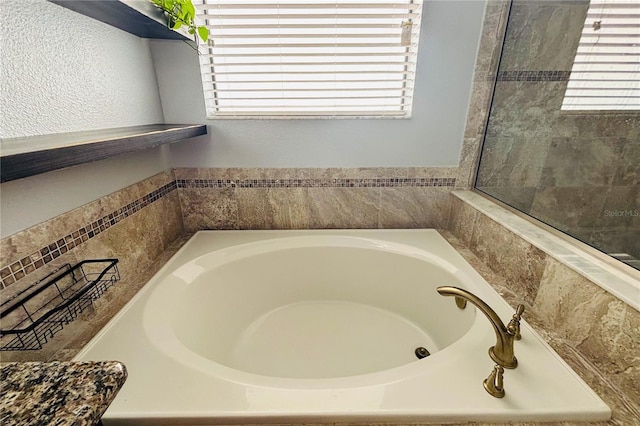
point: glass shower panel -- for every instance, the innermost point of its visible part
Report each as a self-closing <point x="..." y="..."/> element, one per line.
<point x="576" y="169"/>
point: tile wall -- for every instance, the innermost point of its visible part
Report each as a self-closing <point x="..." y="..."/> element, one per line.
<point x="134" y="224"/>
<point x="315" y="198"/>
<point x="486" y="68"/>
<point x="598" y="334"/>
<point x="138" y="222"/>
<point x="575" y="170"/>
<point x="597" y="331"/>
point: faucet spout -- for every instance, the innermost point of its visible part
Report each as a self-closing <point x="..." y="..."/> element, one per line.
<point x="502" y="353"/>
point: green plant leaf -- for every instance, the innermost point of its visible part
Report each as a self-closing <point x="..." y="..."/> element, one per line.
<point x="190" y="9"/>
<point x="203" y="32"/>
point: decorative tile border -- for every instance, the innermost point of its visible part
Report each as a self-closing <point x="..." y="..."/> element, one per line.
<point x="533" y="75"/>
<point x="17" y="270"/>
<point x="37" y="259"/>
<point x="316" y="183"/>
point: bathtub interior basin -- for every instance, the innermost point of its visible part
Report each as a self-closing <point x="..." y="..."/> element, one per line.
<point x="305" y="307"/>
<point x="322" y="327"/>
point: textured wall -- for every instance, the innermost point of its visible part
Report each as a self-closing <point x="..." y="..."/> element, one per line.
<point x="62" y="72"/>
<point x="431" y="138"/>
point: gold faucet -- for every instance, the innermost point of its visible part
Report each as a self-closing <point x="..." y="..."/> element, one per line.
<point x="502" y="352"/>
<point x="494" y="383"/>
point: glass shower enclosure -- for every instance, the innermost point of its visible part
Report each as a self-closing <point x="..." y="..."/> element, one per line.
<point x="562" y="142"/>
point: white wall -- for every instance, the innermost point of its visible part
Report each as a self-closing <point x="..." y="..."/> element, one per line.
<point x="433" y="137"/>
<point x="60" y="72"/>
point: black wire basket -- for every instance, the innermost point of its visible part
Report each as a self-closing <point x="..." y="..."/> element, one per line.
<point x="29" y="319"/>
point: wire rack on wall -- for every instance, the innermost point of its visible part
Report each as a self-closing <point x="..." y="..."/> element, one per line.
<point x="29" y="319"/>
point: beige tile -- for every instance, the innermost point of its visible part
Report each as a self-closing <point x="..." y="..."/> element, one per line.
<point x="191" y="173"/>
<point x="344" y="207"/>
<point x="468" y="162"/>
<point x="478" y="108"/>
<point x="154" y="182"/>
<point x="568" y="303"/>
<point x="493" y="26"/>
<point x="209" y="208"/>
<point x="273" y="208"/>
<point x="414" y="207"/>
<point x="529" y="43"/>
<point x="519" y="262"/>
<point x="462" y="220"/>
<point x="431" y="172"/>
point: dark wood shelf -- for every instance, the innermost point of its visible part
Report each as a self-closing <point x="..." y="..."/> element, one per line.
<point x="22" y="157"/>
<point x="138" y="17"/>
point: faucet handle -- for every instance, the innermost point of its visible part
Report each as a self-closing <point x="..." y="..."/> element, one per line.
<point x="494" y="383"/>
<point x="513" y="327"/>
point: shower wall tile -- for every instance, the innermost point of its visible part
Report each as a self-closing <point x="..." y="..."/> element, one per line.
<point x="108" y="227"/>
<point x="513" y="161"/>
<point x="531" y="143"/>
<point x="520" y="198"/>
<point x="524" y="109"/>
<point x="594" y="161"/>
<point x="543" y="34"/>
<point x="628" y="172"/>
<point x="592" y="123"/>
<point x="569" y="208"/>
<point x="621" y="209"/>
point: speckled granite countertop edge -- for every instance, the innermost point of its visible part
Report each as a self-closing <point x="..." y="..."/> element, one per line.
<point x="58" y="393"/>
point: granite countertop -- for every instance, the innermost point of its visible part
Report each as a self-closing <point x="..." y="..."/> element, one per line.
<point x="58" y="393"/>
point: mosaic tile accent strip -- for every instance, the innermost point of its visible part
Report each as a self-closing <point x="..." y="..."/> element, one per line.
<point x="316" y="183"/>
<point x="11" y="273"/>
<point x="18" y="270"/>
<point x="533" y="75"/>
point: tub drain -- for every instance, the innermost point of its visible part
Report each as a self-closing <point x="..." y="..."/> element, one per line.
<point x="422" y="352"/>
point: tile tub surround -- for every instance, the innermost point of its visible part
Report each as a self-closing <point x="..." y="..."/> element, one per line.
<point x="304" y="198"/>
<point x="614" y="398"/>
<point x="73" y="338"/>
<point x="58" y="393"/>
<point x="587" y="321"/>
<point x="134" y="224"/>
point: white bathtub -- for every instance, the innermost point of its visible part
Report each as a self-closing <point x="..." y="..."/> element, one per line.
<point x="321" y="326"/>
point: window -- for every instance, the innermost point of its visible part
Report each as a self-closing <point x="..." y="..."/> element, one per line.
<point x="606" y="71"/>
<point x="313" y="58"/>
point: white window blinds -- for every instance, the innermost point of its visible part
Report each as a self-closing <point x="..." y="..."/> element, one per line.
<point x="606" y="71"/>
<point x="269" y="58"/>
